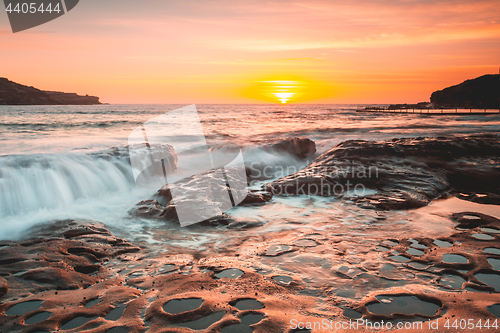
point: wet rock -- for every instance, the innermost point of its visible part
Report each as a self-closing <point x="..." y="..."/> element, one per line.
<point x="482" y="198"/>
<point x="200" y="190"/>
<point x="204" y="193"/>
<point x="406" y="173"/>
<point x="471" y="220"/>
<point x="4" y="287"/>
<point x="268" y="161"/>
<point x="161" y="158"/>
<point x="153" y="209"/>
<point x="256" y="197"/>
<point x="208" y="191"/>
<point x="148" y="209"/>
<point x="63" y="255"/>
<point x="299" y="147"/>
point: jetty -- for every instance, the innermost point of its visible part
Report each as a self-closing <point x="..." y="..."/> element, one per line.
<point x="456" y="111"/>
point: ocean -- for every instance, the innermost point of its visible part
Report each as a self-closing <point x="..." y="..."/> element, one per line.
<point x="52" y="163"/>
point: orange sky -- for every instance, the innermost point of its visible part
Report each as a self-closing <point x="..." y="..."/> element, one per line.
<point x="235" y="51"/>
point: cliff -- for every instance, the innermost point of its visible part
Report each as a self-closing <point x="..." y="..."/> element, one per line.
<point x="479" y="93"/>
<point x="12" y="93"/>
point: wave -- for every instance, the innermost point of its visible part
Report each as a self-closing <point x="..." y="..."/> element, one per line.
<point x="59" y="125"/>
<point x="34" y="182"/>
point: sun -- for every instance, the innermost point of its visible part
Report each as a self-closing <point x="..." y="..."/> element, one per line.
<point x="286" y="89"/>
<point x="280" y="90"/>
<point x="284" y="96"/>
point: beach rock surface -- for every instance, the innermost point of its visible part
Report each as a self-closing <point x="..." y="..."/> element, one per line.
<point x="246" y="282"/>
<point x="64" y="255"/>
<point x="399" y="173"/>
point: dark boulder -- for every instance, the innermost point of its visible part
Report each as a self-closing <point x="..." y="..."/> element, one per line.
<point x="4" y="287"/>
<point x="272" y="160"/>
<point x="301" y="148"/>
<point x="399" y="173"/>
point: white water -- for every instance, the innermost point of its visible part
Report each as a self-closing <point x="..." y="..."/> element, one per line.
<point x="31" y="183"/>
<point x="43" y="187"/>
<point x="37" y="188"/>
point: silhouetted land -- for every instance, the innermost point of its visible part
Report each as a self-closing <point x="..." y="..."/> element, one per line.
<point x="12" y="93"/>
<point x="479" y="93"/>
<point x="471" y="96"/>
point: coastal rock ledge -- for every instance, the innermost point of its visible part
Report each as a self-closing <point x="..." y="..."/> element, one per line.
<point x="400" y="173"/>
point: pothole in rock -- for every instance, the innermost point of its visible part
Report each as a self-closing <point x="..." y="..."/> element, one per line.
<point x="231" y="273"/>
<point x="315" y="236"/>
<point x="39" y="317"/>
<point x="263" y="271"/>
<point x="451" y="258"/>
<point x="399" y="258"/>
<point x="492" y="250"/>
<point x="416" y="244"/>
<point x="86" y="269"/>
<point x="415" y="252"/>
<point x="490" y="230"/>
<point x="283" y="279"/>
<point x="495" y="263"/>
<point x="116" y="313"/>
<point x="391" y="272"/>
<point x="482" y="236"/>
<point x="248" y="304"/>
<point x="390" y="242"/>
<point x="92" y="303"/>
<point x="276" y="250"/>
<point x="491" y="279"/>
<point x="417" y="265"/>
<point x="470" y="217"/>
<point x="494" y="310"/>
<point x="166" y="268"/>
<point x="305" y="242"/>
<point x="175" y="306"/>
<point x="451" y="281"/>
<point x="407" y="305"/>
<point x="251" y="318"/>
<point x="118" y="329"/>
<point x="348" y="272"/>
<point x="244" y="326"/>
<point x="134" y="275"/>
<point x="353" y="314"/>
<point x="202" y="323"/>
<point x="77" y="322"/>
<point x="442" y="243"/>
<point x="24" y="307"/>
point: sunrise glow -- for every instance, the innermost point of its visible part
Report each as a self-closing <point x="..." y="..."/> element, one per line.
<point x="208" y="52"/>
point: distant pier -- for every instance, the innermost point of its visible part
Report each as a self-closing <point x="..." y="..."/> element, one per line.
<point x="449" y="112"/>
